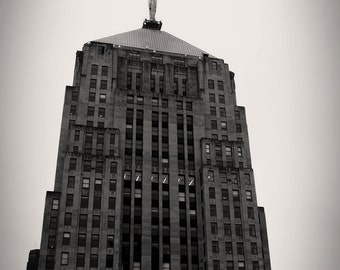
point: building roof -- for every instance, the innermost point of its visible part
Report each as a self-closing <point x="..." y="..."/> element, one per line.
<point x="150" y="39"/>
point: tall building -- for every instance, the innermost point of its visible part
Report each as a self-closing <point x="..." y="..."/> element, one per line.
<point x="153" y="168"/>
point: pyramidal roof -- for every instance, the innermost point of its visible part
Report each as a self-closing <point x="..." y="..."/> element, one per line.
<point x="159" y="41"/>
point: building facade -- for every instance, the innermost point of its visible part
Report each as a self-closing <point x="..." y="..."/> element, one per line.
<point x="153" y="169"/>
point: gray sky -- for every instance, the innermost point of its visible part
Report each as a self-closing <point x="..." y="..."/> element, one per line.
<point x="286" y="56"/>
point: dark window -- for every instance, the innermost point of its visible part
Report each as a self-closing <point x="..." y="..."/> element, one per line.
<point x="216" y="265"/>
<point x="226" y="211"/>
<point x="73" y="110"/>
<point x="215" y="247"/>
<point x="94" y="260"/>
<point x="256" y="265"/>
<point x="211" y="84"/>
<point x="80" y="260"/>
<point x="69" y="199"/>
<point x="66" y="238"/>
<point x="138" y="82"/>
<point x="224" y="194"/>
<point x="112" y="185"/>
<point x="213" y="111"/>
<point x="110" y="222"/>
<point x="94" y="69"/>
<point x="236" y="196"/>
<point x="153" y="83"/>
<point x="95" y="240"/>
<point x="92" y="97"/>
<point x="82" y="221"/>
<point x="221" y="99"/>
<point x="113" y="167"/>
<point x="49" y="262"/>
<point x="237" y="115"/>
<point x="112" y="203"/>
<point x="68" y="219"/>
<point x="252" y="231"/>
<point x="220" y="85"/>
<point x="110" y="239"/>
<point x="214" y="229"/>
<point x="189" y="106"/>
<point x="105" y="70"/>
<point x="99" y="166"/>
<point x="230" y="265"/>
<point x="213" y="65"/>
<point x="95" y="221"/>
<point x="51" y="242"/>
<point x="102" y="98"/>
<point x="253" y="248"/>
<point x="238" y="229"/>
<point x="101" y="50"/>
<point x="140" y="100"/>
<point x="74" y="96"/>
<point x="247" y="179"/>
<point x="109" y="261"/>
<point x="81" y="240"/>
<point x="240" y="249"/>
<point x="73" y="164"/>
<point x="213" y="124"/>
<point x="238" y="128"/>
<point x="212" y="98"/>
<point x="103" y="84"/>
<point x="222" y="112"/>
<point x="97" y="201"/>
<point x="93" y="84"/>
<point x="101" y="112"/>
<point x="237" y="212"/>
<point x="164" y="103"/>
<point x="227" y="229"/>
<point x="228" y="248"/>
<point x="213" y="210"/>
<point x="84" y="201"/>
<point x="211" y="193"/>
<point x="90" y="111"/>
<point x="129" y="80"/>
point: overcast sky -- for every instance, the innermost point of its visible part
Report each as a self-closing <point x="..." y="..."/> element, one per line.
<point x="286" y="56"/>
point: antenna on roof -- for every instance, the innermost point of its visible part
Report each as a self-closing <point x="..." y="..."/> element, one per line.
<point x="152" y="23"/>
<point x="152" y="9"/>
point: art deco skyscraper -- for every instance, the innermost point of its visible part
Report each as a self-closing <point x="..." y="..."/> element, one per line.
<point x="154" y="169"/>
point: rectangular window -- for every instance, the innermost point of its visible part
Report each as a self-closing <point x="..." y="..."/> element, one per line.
<point x="213" y="212"/>
<point x="94" y="260"/>
<point x="227" y="229"/>
<point x="73" y="164"/>
<point x="215" y="247"/>
<point x="68" y="219"/>
<point x="237" y="115"/>
<point x="250" y="211"/>
<point x="207" y="148"/>
<point x="238" y="128"/>
<point x="99" y="166"/>
<point x="221" y="99"/>
<point x="223" y="125"/>
<point x="224" y="194"/>
<point x="211" y="84"/>
<point x="213" y="111"/>
<point x="103" y="84"/>
<point x="249" y="195"/>
<point x="230" y="265"/>
<point x="69" y="199"/>
<point x="66" y="238"/>
<point x="239" y="151"/>
<point x="164" y="103"/>
<point x="92" y="97"/>
<point x="102" y="98"/>
<point x="241" y="266"/>
<point x="239" y="230"/>
<point x="55" y="204"/>
<point x="222" y="112"/>
<point x="237" y="212"/>
<point x="101" y="112"/>
<point x="220" y="85"/>
<point x="110" y="241"/>
<point x="138" y="82"/>
<point x="81" y="240"/>
<point x="97" y="201"/>
<point x="90" y="111"/>
<point x="226" y="211"/>
<point x="240" y="249"/>
<point x="51" y="242"/>
<point x="95" y="240"/>
<point x="74" y="96"/>
<point x="228" y="248"/>
<point x="84" y="201"/>
<point x="82" y="221"/>
<point x="253" y="248"/>
<point x="94" y="69"/>
<point x="105" y="70"/>
<point x="213" y="65"/>
<point x="212" y="98"/>
<point x="112" y="203"/>
<point x="213" y="124"/>
<point x="216" y="265"/>
<point x="64" y="258"/>
<point x="252" y="231"/>
<point x="211" y="193"/>
<point x="129" y="80"/>
<point x="73" y="110"/>
<point x="179" y="105"/>
<point x="49" y="262"/>
<point x="110" y="222"/>
<point x="95" y="221"/>
<point x="80" y="262"/>
<point x="214" y="229"/>
<point x="256" y="265"/>
<point x="228" y="151"/>
<point x="189" y="106"/>
<point x="211" y="176"/>
<point x="93" y="84"/>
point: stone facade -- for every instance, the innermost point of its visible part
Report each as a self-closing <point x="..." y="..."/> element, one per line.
<point x="154" y="168"/>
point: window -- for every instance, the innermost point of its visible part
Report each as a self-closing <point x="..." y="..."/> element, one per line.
<point x="103" y="84"/>
<point x="212" y="98"/>
<point x="95" y="221"/>
<point x="224" y="194"/>
<point x="222" y="112"/>
<point x="223" y="125"/>
<point x="214" y="229"/>
<point x="102" y="98"/>
<point x="97" y="202"/>
<point x="213" y="124"/>
<point x="227" y="229"/>
<point x="221" y="99"/>
<point x="228" y="151"/>
<point x="213" y="65"/>
<point x="179" y="105"/>
<point x="216" y="265"/>
<point x="73" y="164"/>
<point x="64" y="258"/>
<point x="238" y="229"/>
<point x="86" y="183"/>
<point x="93" y="84"/>
<point x="223" y="177"/>
<point x="105" y="70"/>
<point x="55" y="204"/>
<point x="84" y="201"/>
<point x="81" y="240"/>
<point x="95" y="240"/>
<point x="250" y="211"/>
<point x="110" y="239"/>
<point x="90" y="111"/>
<point x="74" y="96"/>
<point x="66" y="238"/>
<point x="215" y="247"/>
<point x="49" y="262"/>
<point x="164" y="103"/>
<point x="82" y="221"/>
<point x="252" y="231"/>
<point x="101" y="50"/>
<point x="140" y="100"/>
<point x="92" y="97"/>
<point x="110" y="222"/>
<point x="237" y="115"/>
<point x="138" y="84"/>
<point x="249" y="195"/>
<point x="109" y="261"/>
<point x="51" y="242"/>
<point x="237" y="212"/>
<point x="238" y="128"/>
<point x="211" y="84"/>
<point x="253" y="247"/>
<point x="73" y="110"/>
<point x="94" y="260"/>
<point x="256" y="265"/>
<point x="239" y="151"/>
<point x="80" y="262"/>
<point x="112" y="186"/>
<point x="68" y="219"/>
<point x="247" y="179"/>
<point x="94" y="69"/>
<point x="189" y="106"/>
<point x="226" y="211"/>
<point x="211" y="176"/>
<point x="230" y="265"/>
<point x="213" y="111"/>
<point x="207" y="148"/>
<point x="240" y="249"/>
<point x="101" y="112"/>
<point x="213" y="212"/>
<point x="112" y="203"/>
<point x="228" y="248"/>
<point x="211" y="193"/>
<point x="241" y="266"/>
<point x="69" y="199"/>
<point x="236" y="196"/>
<point x="220" y="85"/>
